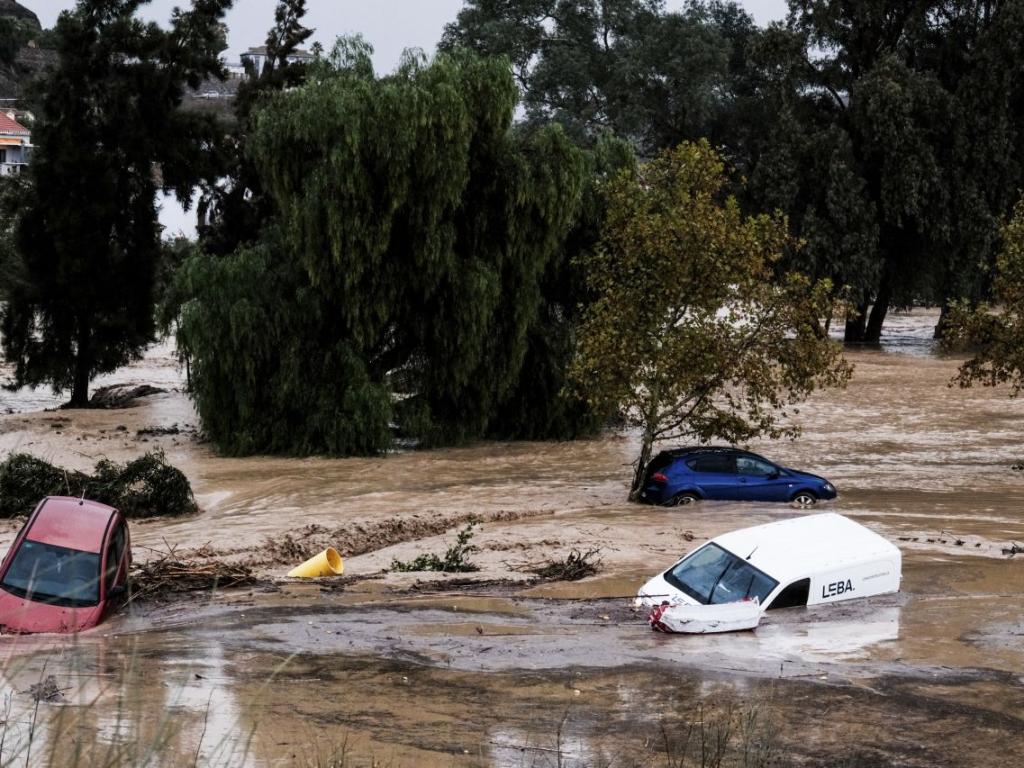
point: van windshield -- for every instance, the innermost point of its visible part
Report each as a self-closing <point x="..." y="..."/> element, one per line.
<point x="56" y="575"/>
<point x="713" y="575"/>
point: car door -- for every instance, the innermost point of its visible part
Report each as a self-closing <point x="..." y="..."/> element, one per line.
<point x="760" y="480"/>
<point x="115" y="563"/>
<point x="715" y="474"/>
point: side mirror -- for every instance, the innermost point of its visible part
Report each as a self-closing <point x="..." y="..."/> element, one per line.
<point x="119" y="592"/>
<point x="774" y="474"/>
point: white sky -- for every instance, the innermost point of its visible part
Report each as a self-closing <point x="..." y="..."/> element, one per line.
<point x="389" y="25"/>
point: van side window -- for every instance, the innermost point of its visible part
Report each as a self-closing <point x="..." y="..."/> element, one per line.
<point x="793" y="596"/>
<point x="713" y="463"/>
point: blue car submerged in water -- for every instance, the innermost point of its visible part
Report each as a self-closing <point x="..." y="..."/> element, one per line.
<point x="685" y="475"/>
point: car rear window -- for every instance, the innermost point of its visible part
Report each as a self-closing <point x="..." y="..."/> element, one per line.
<point x="713" y="575"/>
<point x="712" y="463"/>
<point x="56" y="575"/>
<point x="659" y="462"/>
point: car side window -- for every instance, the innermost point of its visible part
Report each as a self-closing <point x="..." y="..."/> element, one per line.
<point x="748" y="465"/>
<point x="713" y="463"/>
<point x="114" y="556"/>
<point x="793" y="596"/>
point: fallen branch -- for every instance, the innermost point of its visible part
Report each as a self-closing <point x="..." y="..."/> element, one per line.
<point x="171" y="576"/>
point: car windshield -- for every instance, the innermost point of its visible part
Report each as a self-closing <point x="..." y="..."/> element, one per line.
<point x="713" y="575"/>
<point x="56" y="575"/>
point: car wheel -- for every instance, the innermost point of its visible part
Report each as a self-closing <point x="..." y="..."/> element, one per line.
<point x="805" y="499"/>
<point x="681" y="500"/>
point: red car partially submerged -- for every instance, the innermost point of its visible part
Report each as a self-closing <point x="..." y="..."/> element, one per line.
<point x="67" y="570"/>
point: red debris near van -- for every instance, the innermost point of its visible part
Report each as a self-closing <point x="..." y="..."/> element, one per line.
<point x="67" y="569"/>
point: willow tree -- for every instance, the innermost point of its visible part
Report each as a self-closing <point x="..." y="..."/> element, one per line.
<point x="419" y="227"/>
<point x="690" y="336"/>
<point x="87" y="240"/>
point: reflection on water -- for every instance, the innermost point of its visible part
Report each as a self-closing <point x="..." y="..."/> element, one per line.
<point x="909" y="333"/>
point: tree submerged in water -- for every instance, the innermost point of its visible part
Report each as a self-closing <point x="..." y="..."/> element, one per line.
<point x="402" y="277"/>
<point x="691" y="336"/>
<point x="995" y="332"/>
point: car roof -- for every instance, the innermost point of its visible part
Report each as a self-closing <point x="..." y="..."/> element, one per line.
<point x="696" y="450"/>
<point x="688" y="450"/>
<point x="805" y="546"/>
<point x="71" y="523"/>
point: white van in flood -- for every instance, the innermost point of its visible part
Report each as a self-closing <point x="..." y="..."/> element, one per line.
<point x="804" y="561"/>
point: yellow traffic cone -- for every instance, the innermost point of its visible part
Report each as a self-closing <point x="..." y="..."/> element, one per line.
<point x="327" y="563"/>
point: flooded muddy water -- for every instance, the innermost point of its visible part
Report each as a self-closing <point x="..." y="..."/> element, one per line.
<point x="409" y="669"/>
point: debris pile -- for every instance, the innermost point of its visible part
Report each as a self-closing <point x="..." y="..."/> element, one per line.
<point x="578" y="565"/>
<point x="358" y="538"/>
<point x="120" y="396"/>
<point x="145" y="487"/>
<point x="169" y="575"/>
<point x="47" y="690"/>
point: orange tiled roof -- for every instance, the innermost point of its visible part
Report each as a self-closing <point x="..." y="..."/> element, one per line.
<point x="9" y="126"/>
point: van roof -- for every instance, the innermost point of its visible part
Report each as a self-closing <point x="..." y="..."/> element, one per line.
<point x="804" y="546"/>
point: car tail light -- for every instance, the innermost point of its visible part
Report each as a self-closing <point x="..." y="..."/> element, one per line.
<point x="658" y="477"/>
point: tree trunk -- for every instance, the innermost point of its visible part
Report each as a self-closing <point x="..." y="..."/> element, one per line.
<point x="940" y="327"/>
<point x="857" y="323"/>
<point x="873" y="332"/>
<point x="641" y="466"/>
<point x="83" y="371"/>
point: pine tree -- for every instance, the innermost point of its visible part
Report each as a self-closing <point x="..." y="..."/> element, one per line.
<point x="87" y="238"/>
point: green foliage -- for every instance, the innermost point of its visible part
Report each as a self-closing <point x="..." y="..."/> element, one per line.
<point x="690" y="336"/>
<point x="14" y="33"/>
<point x="541" y="406"/>
<point x="405" y="278"/>
<point x="627" y="66"/>
<point x="25" y="480"/>
<point x="234" y="205"/>
<point x="87" y="236"/>
<point x="996" y="333"/>
<point x="145" y="487"/>
<point x="893" y="143"/>
<point x="455" y="560"/>
<point x="269" y="371"/>
<point x="889" y="134"/>
<point x="173" y="254"/>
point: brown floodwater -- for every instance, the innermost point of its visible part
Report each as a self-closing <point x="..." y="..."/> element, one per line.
<point x="408" y="669"/>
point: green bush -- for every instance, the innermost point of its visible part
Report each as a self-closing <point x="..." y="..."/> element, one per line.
<point x="455" y="560"/>
<point x="145" y="487"/>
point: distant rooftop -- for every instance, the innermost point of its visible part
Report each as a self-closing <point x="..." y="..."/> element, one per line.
<point x="11" y="127"/>
<point x="262" y="51"/>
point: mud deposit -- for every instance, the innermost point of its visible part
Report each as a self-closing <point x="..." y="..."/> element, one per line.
<point x="416" y="669"/>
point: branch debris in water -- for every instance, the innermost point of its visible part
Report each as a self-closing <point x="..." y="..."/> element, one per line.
<point x="169" y="575"/>
<point x="578" y="565"/>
